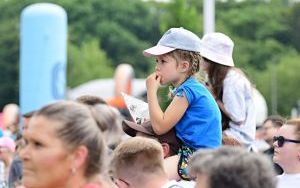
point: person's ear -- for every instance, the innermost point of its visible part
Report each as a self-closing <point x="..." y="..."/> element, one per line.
<point x="166" y="149"/>
<point x="184" y="66"/>
<point x="79" y="157"/>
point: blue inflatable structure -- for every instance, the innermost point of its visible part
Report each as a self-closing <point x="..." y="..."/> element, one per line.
<point x="43" y="55"/>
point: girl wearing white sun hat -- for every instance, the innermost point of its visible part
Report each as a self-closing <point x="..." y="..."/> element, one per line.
<point x="230" y="87"/>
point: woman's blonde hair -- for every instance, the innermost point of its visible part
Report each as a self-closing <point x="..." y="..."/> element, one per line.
<point x="77" y="127"/>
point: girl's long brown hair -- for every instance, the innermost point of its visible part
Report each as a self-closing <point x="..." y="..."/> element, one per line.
<point x="216" y="76"/>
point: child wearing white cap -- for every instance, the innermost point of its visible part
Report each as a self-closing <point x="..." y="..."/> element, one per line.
<point x="193" y="111"/>
<point x="230" y="87"/>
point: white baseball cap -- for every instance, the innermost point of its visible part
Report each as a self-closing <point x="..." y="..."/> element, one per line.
<point x="175" y="38"/>
<point x="218" y="48"/>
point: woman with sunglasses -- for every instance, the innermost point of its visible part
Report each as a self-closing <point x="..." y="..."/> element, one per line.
<point x="287" y="154"/>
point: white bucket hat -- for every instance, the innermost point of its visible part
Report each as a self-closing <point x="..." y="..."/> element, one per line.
<point x="218" y="48"/>
<point x="175" y="38"/>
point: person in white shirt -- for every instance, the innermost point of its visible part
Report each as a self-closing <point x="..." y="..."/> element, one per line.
<point x="287" y="154"/>
<point x="230" y="87"/>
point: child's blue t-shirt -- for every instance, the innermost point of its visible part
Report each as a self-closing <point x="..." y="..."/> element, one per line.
<point x="200" y="126"/>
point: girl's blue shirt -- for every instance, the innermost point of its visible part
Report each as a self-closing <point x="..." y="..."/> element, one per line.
<point x="200" y="126"/>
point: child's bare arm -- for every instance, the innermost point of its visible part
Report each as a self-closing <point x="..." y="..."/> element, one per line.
<point x="161" y="121"/>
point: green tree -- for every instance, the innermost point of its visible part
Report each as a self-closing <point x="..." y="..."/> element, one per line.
<point x="293" y="21"/>
<point x="262" y="45"/>
<point x="257" y="28"/>
<point x="86" y="63"/>
<point x="285" y="78"/>
<point x="180" y="13"/>
<point x="9" y="62"/>
<point x="124" y="27"/>
<point x="9" y="53"/>
<point x="288" y="79"/>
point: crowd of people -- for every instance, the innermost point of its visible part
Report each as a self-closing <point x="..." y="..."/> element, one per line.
<point x="203" y="139"/>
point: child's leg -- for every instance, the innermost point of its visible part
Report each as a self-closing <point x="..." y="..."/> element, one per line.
<point x="171" y="164"/>
<point x="184" y="154"/>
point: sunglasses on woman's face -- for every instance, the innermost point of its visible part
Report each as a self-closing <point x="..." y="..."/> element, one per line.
<point x="281" y="140"/>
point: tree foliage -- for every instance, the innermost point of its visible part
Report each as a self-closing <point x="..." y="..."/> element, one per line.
<point x="124" y="27"/>
<point x="260" y="30"/>
<point x="87" y="62"/>
<point x="181" y="13"/>
<point x="9" y="53"/>
<point x="293" y="36"/>
<point x="281" y="80"/>
<point x="9" y="62"/>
